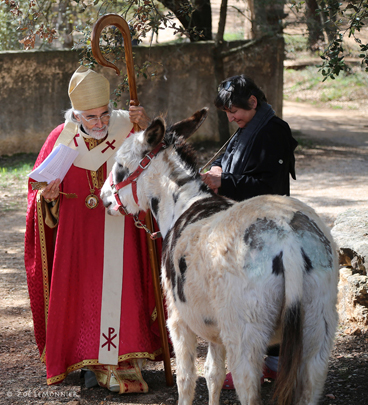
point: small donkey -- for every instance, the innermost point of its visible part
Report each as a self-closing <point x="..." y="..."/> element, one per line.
<point x="243" y="275"/>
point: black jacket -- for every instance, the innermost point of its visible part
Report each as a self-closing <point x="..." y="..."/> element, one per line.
<point x="270" y="159"/>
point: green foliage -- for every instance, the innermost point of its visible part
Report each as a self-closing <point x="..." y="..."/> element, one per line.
<point x="32" y="20"/>
<point x="9" y="38"/>
<point x="339" y="20"/>
<point x="42" y="22"/>
<point x="304" y="85"/>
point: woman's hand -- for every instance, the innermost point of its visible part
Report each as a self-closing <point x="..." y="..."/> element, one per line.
<point x="138" y="115"/>
<point x="213" y="178"/>
<point x="51" y="191"/>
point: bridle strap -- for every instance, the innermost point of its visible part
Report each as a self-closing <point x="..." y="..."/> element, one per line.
<point x="132" y="179"/>
<point x="143" y="164"/>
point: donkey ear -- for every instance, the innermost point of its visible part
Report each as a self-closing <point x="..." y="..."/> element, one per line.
<point x="188" y="126"/>
<point x="155" y="132"/>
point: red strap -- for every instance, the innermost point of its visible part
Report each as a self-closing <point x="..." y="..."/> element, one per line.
<point x="141" y="215"/>
<point x="130" y="133"/>
<point x="143" y="164"/>
<point x="134" y="189"/>
<point x="110" y="179"/>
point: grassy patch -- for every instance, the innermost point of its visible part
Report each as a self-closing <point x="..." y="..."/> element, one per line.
<point x="306" y="85"/>
<point x="295" y="44"/>
<point x="233" y="36"/>
<point x="14" y="179"/>
<point x="19" y="161"/>
<point x="303" y="142"/>
<point x="16" y="167"/>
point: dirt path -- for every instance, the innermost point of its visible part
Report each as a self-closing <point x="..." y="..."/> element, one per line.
<point x="346" y="127"/>
<point x="331" y="174"/>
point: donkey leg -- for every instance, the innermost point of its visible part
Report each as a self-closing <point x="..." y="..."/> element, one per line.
<point x="318" y="340"/>
<point x="185" y="344"/>
<point x="245" y="361"/>
<point x="312" y="375"/>
<point x="215" y="371"/>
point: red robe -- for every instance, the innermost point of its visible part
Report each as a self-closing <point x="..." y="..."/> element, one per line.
<point x="65" y="271"/>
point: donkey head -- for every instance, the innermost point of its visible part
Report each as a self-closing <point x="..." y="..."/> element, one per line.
<point x="136" y="152"/>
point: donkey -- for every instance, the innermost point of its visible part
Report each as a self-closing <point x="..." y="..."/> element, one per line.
<point x="242" y="275"/>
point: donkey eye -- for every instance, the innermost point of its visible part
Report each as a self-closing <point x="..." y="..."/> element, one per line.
<point x="121" y="173"/>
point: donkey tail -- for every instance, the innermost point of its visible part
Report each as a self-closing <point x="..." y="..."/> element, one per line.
<point x="291" y="348"/>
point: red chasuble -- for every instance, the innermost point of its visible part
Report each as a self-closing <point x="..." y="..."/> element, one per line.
<point x="65" y="268"/>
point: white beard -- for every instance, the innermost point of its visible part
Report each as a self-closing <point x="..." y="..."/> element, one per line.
<point x="94" y="133"/>
<point x="98" y="134"/>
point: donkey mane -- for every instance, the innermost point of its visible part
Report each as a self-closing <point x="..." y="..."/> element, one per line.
<point x="184" y="150"/>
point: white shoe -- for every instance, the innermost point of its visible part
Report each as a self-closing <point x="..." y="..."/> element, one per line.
<point x="114" y="384"/>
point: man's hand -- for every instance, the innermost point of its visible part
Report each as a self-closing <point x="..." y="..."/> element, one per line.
<point x="137" y="115"/>
<point x="51" y="191"/>
<point x="213" y="178"/>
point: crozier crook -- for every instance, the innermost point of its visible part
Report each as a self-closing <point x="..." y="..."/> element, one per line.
<point x="119" y="22"/>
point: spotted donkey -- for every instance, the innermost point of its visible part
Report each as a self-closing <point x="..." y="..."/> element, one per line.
<point x="242" y="275"/>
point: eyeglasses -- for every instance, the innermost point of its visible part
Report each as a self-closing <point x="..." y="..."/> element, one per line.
<point x="228" y="86"/>
<point x="94" y="120"/>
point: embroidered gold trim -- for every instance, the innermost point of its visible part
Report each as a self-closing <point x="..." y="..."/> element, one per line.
<point x="139" y="375"/>
<point x="100" y="176"/>
<point x="154" y="315"/>
<point x="94" y="179"/>
<point x="141" y="355"/>
<point x="45" y="269"/>
<point x="94" y="362"/>
<point x="92" y="142"/>
<point x="127" y="374"/>
<point x="43" y="355"/>
<point x="98" y="179"/>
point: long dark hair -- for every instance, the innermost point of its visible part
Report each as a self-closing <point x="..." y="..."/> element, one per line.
<point x="236" y="91"/>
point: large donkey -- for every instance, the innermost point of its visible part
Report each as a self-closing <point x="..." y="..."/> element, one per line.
<point x="242" y="275"/>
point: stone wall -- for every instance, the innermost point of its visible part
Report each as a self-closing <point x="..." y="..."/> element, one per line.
<point x="350" y="233"/>
<point x="34" y="86"/>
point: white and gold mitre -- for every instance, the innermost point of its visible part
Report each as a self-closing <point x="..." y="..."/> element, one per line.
<point x="88" y="89"/>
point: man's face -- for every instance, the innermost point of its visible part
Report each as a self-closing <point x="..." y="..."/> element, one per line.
<point x="95" y="121"/>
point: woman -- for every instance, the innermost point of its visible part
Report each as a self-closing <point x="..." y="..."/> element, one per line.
<point x="257" y="160"/>
<point x="260" y="156"/>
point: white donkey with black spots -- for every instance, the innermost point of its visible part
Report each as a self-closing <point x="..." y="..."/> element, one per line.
<point x="241" y="275"/>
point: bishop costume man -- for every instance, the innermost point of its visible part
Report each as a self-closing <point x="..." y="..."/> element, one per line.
<point x="88" y="273"/>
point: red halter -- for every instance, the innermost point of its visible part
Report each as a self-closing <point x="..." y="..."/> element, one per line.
<point x="132" y="179"/>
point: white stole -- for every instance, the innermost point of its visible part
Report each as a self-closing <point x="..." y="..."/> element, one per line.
<point x="112" y="289"/>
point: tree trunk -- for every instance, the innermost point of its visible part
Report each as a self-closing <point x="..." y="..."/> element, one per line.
<point x="314" y="25"/>
<point x="222" y="22"/>
<point x="328" y="16"/>
<point x="222" y="121"/>
<point x="201" y="17"/>
<point x="65" y="28"/>
<point x="266" y="16"/>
